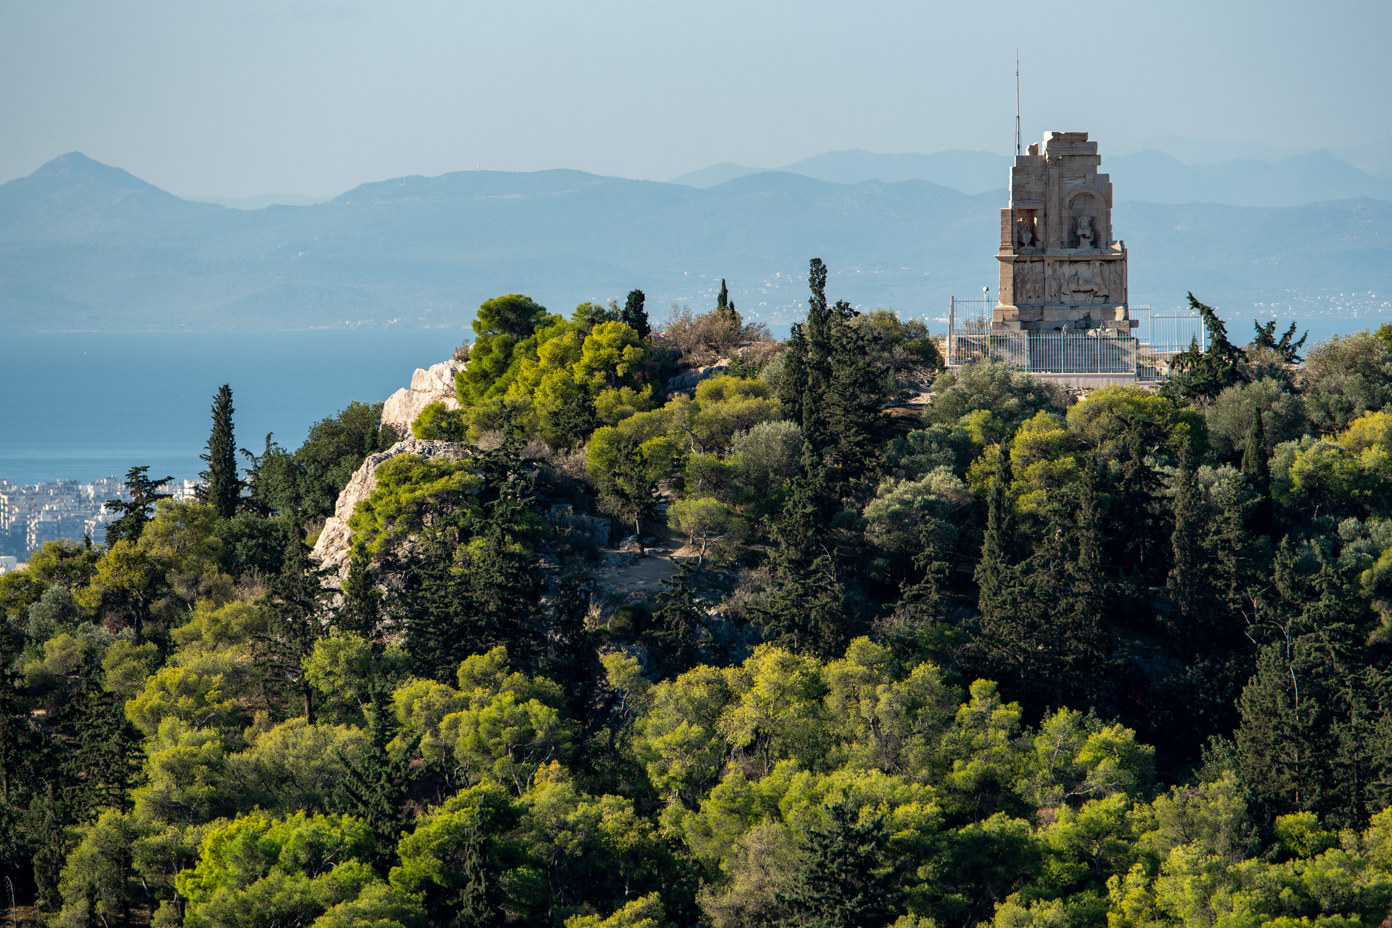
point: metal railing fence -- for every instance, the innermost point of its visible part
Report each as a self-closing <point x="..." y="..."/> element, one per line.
<point x="1048" y="352"/>
<point x="1144" y="355"/>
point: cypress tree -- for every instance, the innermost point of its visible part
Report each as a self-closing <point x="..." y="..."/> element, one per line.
<point x="792" y="387"/>
<point x="437" y="609"/>
<point x="634" y="315"/>
<point x="1186" y="582"/>
<point x="53" y="841"/>
<point x="1257" y="469"/>
<point x="1084" y="630"/>
<point x="830" y="385"/>
<point x="853" y="396"/>
<point x="221" y="487"/>
<point x="1089" y="570"/>
<point x="1310" y="711"/>
<point x="816" y="361"/>
<point x="994" y="570"/>
<point x="729" y="325"/>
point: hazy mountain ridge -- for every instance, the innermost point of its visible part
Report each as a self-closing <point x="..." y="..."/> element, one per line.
<point x="86" y="246"/>
<point x="1149" y="174"/>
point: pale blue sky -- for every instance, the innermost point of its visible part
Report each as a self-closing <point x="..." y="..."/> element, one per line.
<point x="314" y="97"/>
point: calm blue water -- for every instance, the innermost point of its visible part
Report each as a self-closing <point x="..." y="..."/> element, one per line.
<point x="86" y="406"/>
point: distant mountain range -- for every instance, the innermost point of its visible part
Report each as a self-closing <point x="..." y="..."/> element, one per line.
<point x="1150" y="175"/>
<point x="86" y="246"/>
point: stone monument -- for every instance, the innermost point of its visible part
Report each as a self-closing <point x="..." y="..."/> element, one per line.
<point x="1059" y="267"/>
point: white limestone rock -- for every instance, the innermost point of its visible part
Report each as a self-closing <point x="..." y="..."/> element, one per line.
<point x="335" y="541"/>
<point x="434" y="384"/>
<point x="686" y="381"/>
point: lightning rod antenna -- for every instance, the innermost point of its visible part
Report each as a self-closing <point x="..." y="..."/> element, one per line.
<point x="1017" y="102"/>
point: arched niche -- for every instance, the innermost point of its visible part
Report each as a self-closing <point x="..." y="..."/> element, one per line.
<point x="1090" y="204"/>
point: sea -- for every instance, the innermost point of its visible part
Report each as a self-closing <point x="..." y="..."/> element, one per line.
<point x="84" y="406"/>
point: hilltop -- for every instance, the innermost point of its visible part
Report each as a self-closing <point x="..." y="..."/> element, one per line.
<point x="678" y="625"/>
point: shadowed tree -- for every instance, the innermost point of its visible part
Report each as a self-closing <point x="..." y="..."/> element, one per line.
<point x="843" y="878"/>
<point x="221" y="488"/>
<point x="1257" y="469"/>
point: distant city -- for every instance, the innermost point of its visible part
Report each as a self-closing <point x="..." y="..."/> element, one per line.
<point x="35" y="514"/>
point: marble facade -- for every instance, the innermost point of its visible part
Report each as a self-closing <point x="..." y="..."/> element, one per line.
<point x="1060" y="268"/>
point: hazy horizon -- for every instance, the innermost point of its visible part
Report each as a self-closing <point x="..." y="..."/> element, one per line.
<point x="312" y="98"/>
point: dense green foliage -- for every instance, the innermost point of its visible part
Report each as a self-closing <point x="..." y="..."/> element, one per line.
<point x="1012" y="658"/>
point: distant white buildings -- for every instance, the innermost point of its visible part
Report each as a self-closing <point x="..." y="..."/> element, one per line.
<point x="33" y="515"/>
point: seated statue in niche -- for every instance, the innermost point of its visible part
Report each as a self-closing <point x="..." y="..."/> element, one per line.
<point x="1025" y="233"/>
<point x="1084" y="231"/>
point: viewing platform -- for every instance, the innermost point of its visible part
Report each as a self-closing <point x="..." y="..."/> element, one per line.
<point x="1083" y="358"/>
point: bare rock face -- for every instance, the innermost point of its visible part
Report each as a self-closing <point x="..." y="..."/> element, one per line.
<point x="686" y="381"/>
<point x="335" y="541"/>
<point x="434" y="384"/>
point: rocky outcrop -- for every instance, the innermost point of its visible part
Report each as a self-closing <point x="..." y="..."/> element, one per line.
<point x="335" y="541"/>
<point x="686" y="381"/>
<point x="433" y="384"/>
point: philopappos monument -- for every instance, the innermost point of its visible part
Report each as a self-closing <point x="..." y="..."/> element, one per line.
<point x="1060" y="269"/>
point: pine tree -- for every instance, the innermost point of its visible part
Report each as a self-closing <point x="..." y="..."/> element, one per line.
<point x="377" y="783"/>
<point x="843" y="877"/>
<point x="807" y="609"/>
<point x="1287" y="349"/>
<point x="106" y="753"/>
<point x="361" y="612"/>
<point x="134" y="515"/>
<point x="297" y="601"/>
<point x="1202" y="375"/>
<point x="678" y="620"/>
<point x="1310" y="708"/>
<point x="221" y="487"/>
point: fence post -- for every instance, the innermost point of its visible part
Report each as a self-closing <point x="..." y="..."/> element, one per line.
<point x="951" y="329"/>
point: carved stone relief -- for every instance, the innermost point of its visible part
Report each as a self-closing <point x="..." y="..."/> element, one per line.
<point x="1029" y="282"/>
<point x="1081" y="283"/>
<point x="1116" y="285"/>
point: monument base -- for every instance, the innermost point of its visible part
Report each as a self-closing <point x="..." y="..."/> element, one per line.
<point x="1063" y="317"/>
